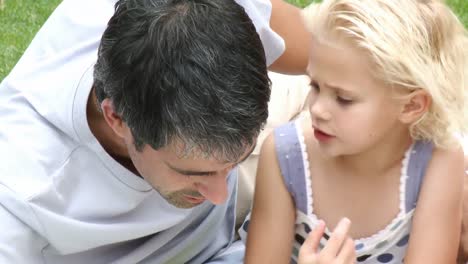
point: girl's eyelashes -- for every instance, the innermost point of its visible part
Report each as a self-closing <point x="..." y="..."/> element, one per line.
<point x="341" y="100"/>
<point x="314" y="85"/>
<point x="344" y="101"/>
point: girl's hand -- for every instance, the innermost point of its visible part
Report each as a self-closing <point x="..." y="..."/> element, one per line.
<point x="339" y="248"/>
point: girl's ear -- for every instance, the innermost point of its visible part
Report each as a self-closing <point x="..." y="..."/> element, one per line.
<point x="415" y="105"/>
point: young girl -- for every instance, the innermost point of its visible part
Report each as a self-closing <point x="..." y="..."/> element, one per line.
<point x="388" y="92"/>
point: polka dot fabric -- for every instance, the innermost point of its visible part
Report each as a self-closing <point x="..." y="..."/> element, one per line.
<point x="387" y="246"/>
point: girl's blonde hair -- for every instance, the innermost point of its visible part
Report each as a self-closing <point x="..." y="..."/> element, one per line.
<point x="414" y="44"/>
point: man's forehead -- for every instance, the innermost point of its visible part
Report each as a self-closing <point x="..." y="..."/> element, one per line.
<point x="200" y="165"/>
<point x="181" y="151"/>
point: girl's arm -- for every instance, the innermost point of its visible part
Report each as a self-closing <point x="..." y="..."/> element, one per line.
<point x="466" y="163"/>
<point x="271" y="229"/>
<point x="463" y="249"/>
<point x="437" y="221"/>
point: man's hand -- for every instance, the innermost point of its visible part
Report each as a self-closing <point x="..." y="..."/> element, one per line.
<point x="339" y="248"/>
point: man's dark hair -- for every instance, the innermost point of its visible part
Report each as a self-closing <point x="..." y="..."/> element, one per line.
<point x="187" y="71"/>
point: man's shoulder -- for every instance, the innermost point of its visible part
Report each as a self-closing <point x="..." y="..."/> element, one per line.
<point x="30" y="157"/>
<point x="259" y="12"/>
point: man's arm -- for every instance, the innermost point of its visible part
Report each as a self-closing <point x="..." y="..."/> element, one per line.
<point x="286" y="20"/>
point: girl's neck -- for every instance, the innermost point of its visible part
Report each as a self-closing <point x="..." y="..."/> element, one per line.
<point x="380" y="158"/>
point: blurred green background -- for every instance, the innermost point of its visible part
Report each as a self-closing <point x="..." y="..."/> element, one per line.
<point x="21" y="19"/>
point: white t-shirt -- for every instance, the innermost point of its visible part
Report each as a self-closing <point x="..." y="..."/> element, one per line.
<point x="63" y="199"/>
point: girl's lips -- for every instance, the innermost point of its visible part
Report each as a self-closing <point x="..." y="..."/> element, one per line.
<point x="321" y="136"/>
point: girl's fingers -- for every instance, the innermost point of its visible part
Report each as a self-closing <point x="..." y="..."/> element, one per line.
<point x="310" y="245"/>
<point x="347" y="253"/>
<point x="337" y="238"/>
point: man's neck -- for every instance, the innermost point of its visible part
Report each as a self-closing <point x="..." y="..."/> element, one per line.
<point x="102" y="131"/>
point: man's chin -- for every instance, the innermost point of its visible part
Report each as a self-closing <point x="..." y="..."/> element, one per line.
<point x="184" y="202"/>
<point x="183" y="199"/>
<point x="183" y="205"/>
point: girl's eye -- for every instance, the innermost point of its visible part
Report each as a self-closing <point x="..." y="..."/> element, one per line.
<point x="344" y="101"/>
<point x="314" y="86"/>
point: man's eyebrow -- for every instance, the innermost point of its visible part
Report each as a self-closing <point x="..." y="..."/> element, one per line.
<point x="191" y="172"/>
<point x="205" y="173"/>
<point x="194" y="173"/>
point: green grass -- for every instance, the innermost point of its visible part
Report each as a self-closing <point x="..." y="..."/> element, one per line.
<point x="461" y="9"/>
<point x="20" y="20"/>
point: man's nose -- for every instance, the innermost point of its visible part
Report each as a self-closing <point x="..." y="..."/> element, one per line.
<point x="214" y="187"/>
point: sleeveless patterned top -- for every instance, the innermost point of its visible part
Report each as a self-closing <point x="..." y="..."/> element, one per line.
<point x="387" y="245"/>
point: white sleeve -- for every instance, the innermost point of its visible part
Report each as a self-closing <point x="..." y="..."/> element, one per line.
<point x="259" y="12"/>
<point x="234" y="254"/>
<point x="89" y="18"/>
<point x="18" y="242"/>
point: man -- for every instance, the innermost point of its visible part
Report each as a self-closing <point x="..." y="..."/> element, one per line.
<point x="125" y="156"/>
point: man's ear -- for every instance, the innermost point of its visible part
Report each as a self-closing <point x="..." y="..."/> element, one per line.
<point x="415" y="105"/>
<point x="113" y="120"/>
